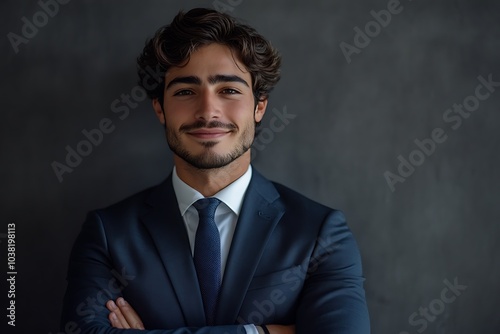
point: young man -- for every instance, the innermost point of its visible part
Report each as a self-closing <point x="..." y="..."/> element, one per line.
<point x="215" y="248"/>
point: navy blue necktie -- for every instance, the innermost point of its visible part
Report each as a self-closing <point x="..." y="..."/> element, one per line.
<point x="207" y="255"/>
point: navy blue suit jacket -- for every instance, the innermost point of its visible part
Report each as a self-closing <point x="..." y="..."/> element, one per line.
<point x="292" y="261"/>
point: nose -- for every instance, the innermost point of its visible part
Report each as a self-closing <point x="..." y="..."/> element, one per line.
<point x="208" y="107"/>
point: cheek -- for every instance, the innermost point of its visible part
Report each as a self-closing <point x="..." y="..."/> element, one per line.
<point x="243" y="120"/>
<point x="177" y="112"/>
<point x="174" y="119"/>
<point x="241" y="111"/>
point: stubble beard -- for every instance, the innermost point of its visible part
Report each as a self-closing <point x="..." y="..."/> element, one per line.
<point x="208" y="159"/>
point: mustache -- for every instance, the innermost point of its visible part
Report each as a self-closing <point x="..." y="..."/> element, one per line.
<point x="208" y="125"/>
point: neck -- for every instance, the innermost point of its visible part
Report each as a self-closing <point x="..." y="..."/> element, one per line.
<point x="210" y="181"/>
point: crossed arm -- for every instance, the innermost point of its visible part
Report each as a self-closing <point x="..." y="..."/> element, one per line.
<point x="123" y="316"/>
<point x="331" y="300"/>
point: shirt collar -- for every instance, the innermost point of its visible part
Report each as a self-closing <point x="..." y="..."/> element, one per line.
<point x="232" y="195"/>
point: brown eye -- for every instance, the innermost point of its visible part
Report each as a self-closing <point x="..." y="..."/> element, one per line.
<point x="230" y="91"/>
<point x="183" y="92"/>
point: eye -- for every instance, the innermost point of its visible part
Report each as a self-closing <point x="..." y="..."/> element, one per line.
<point x="183" y="92"/>
<point x="230" y="91"/>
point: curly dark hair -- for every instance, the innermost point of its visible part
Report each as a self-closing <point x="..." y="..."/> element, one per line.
<point x="173" y="44"/>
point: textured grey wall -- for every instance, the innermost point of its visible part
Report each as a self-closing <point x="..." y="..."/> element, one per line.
<point x="354" y="116"/>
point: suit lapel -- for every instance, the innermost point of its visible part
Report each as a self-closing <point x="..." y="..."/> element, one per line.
<point x="259" y="215"/>
<point x="166" y="226"/>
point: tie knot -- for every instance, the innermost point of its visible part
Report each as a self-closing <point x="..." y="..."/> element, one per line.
<point x="206" y="206"/>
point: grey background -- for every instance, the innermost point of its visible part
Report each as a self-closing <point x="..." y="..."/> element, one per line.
<point x="352" y="122"/>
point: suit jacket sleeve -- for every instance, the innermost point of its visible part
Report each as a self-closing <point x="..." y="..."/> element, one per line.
<point x="332" y="298"/>
<point x="93" y="280"/>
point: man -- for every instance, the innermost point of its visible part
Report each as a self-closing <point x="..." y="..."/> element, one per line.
<point x="215" y="248"/>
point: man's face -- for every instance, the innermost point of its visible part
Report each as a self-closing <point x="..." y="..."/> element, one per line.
<point x="209" y="108"/>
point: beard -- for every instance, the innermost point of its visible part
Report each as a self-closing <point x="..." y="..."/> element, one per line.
<point x="208" y="159"/>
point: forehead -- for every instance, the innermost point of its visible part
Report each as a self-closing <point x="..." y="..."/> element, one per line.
<point x="210" y="60"/>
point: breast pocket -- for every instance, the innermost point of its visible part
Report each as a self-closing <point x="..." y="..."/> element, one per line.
<point x="272" y="298"/>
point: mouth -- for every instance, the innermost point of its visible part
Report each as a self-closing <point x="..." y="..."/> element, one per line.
<point x="208" y="133"/>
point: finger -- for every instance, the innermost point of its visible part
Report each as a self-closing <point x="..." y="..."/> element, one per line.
<point x="113" y="319"/>
<point x="116" y="317"/>
<point x="110" y="305"/>
<point x="129" y="313"/>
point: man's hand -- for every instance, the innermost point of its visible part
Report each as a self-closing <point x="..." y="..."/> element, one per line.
<point x="122" y="315"/>
<point x="278" y="329"/>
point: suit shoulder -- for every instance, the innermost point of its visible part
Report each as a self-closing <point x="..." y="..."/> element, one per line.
<point x="129" y="204"/>
<point x="293" y="199"/>
<point x="308" y="216"/>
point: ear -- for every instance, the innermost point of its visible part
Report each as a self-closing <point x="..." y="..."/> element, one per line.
<point x="159" y="111"/>
<point x="260" y="110"/>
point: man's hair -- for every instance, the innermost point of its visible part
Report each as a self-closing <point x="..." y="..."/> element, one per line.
<point x="173" y="44"/>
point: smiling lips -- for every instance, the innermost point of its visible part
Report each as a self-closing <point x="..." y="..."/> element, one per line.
<point x="208" y="133"/>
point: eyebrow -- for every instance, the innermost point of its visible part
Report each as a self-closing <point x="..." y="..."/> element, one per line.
<point x="226" y="78"/>
<point x="185" y="80"/>
<point x="214" y="79"/>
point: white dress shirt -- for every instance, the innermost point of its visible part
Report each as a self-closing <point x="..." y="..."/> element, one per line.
<point x="226" y="215"/>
